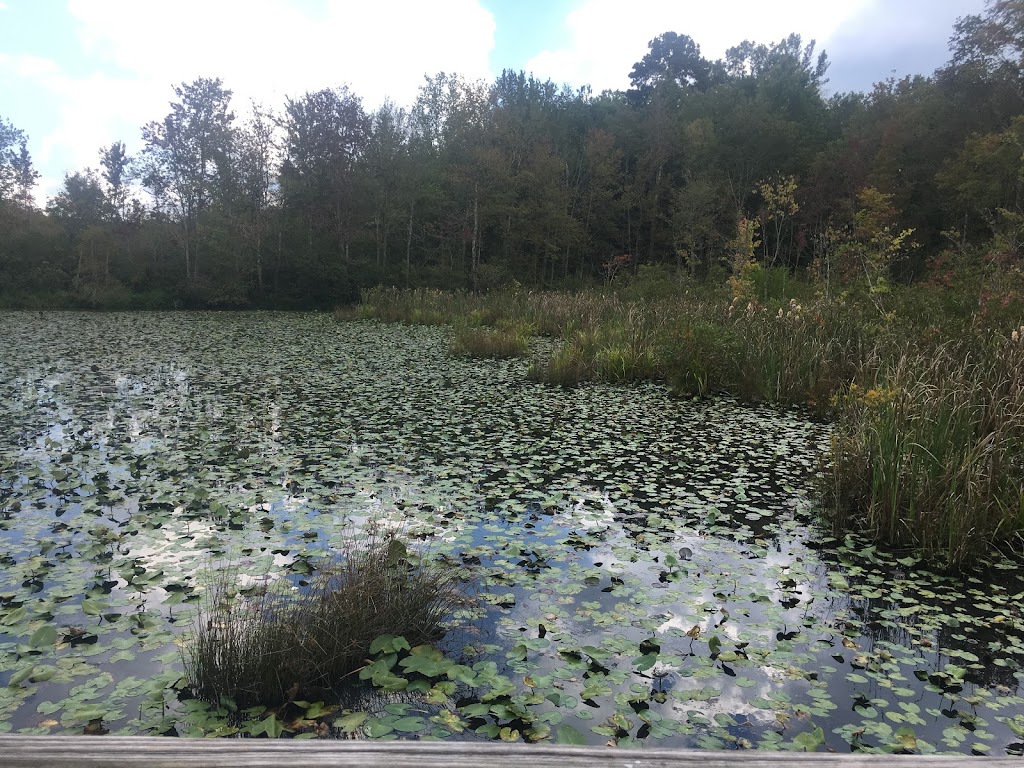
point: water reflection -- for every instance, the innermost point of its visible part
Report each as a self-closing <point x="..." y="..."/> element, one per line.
<point x="653" y="563"/>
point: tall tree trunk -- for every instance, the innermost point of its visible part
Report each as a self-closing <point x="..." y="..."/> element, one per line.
<point x="408" y="244"/>
<point x="476" y="234"/>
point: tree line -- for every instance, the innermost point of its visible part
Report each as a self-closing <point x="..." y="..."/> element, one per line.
<point x="708" y="167"/>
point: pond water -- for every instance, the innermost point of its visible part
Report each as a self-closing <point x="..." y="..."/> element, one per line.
<point x="644" y="570"/>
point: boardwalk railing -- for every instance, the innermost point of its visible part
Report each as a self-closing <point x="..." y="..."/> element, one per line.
<point x="17" y="751"/>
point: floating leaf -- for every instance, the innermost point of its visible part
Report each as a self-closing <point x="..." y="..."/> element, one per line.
<point x="45" y="636"/>
<point x="566" y="734"/>
<point x="350" y="723"/>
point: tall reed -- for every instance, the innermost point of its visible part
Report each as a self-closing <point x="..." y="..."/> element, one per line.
<point x="928" y="449"/>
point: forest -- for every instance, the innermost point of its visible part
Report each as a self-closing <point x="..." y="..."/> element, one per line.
<point x="700" y="167"/>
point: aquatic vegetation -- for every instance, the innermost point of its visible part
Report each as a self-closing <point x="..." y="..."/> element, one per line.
<point x="894" y="475"/>
<point x="275" y="642"/>
<point x="620" y="351"/>
<point x="488" y="343"/>
<point x="644" y="569"/>
<point x="927" y="451"/>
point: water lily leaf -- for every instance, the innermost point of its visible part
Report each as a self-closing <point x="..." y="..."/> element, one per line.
<point x="645" y="662"/>
<point x="350" y="723"/>
<point x="566" y="734"/>
<point x="409" y="724"/>
<point x="92" y="607"/>
<point x="905" y="737"/>
<point x="809" y="741"/>
<point x="46" y="635"/>
<point x="270" y="726"/>
<point x="376" y="729"/>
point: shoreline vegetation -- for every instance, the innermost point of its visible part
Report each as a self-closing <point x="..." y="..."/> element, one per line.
<point x="927" y="401"/>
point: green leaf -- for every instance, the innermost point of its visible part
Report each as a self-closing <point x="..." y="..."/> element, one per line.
<point x="566" y="734"/>
<point x="44" y="636"/>
<point x="645" y="662"/>
<point x="271" y="726"/>
<point x="21" y="676"/>
<point x="93" y="607"/>
<point x="350" y="723"/>
<point x="809" y="741"/>
<point x="375" y="729"/>
<point x="409" y="724"/>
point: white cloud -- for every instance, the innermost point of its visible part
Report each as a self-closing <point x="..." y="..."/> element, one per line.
<point x="262" y="49"/>
<point x="3" y="6"/>
<point x="607" y="38"/>
<point x="268" y="48"/>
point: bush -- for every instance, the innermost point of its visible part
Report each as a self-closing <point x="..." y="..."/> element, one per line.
<point x="284" y="644"/>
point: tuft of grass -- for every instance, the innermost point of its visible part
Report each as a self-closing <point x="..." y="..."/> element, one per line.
<point x="620" y="350"/>
<point x="490" y="343"/>
<point x="794" y="355"/>
<point x="282" y="644"/>
<point x="701" y="358"/>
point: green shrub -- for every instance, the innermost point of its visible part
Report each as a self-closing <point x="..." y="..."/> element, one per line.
<point x="651" y="283"/>
<point x="282" y="643"/>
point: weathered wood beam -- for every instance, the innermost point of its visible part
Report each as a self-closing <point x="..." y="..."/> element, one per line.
<point x="23" y="751"/>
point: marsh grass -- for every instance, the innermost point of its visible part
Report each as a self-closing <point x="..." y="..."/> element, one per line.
<point x="796" y="355"/>
<point x="490" y="343"/>
<point x="619" y="350"/>
<point x="281" y="643"/>
<point x="927" y="450"/>
<point x="929" y="434"/>
<point x="701" y="358"/>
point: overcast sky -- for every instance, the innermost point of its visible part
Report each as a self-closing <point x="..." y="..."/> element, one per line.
<point x="79" y="74"/>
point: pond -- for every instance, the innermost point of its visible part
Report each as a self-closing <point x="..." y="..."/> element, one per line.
<point x="643" y="570"/>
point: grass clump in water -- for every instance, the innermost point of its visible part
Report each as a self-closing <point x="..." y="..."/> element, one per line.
<point x="615" y="351"/>
<point x="490" y="343"/>
<point x="282" y="644"/>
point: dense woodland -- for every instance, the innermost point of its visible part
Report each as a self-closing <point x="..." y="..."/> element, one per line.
<point x="701" y="165"/>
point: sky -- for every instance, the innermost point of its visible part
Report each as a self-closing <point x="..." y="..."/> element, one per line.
<point x="76" y="75"/>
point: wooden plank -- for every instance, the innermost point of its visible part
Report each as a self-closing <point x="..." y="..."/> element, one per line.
<point x="23" y="751"/>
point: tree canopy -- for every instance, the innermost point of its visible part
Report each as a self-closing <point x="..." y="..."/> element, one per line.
<point x="526" y="181"/>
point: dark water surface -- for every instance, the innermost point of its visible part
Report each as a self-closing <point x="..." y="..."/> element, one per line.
<point x="646" y="570"/>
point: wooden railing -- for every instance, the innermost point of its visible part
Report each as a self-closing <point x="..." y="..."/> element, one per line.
<point x="17" y="751"/>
